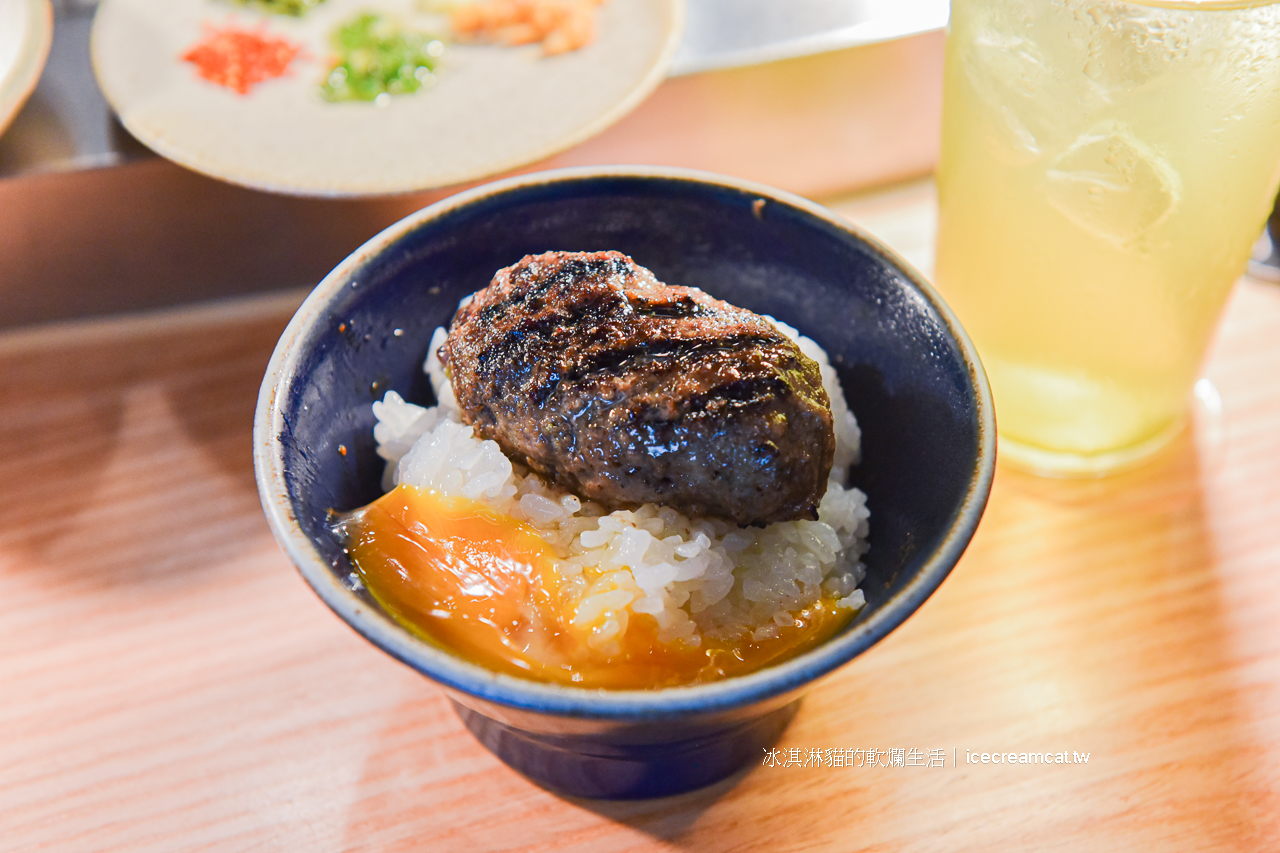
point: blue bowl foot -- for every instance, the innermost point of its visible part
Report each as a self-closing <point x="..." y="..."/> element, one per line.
<point x="605" y="766"/>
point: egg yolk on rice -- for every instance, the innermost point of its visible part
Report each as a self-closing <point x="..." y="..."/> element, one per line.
<point x="485" y="586"/>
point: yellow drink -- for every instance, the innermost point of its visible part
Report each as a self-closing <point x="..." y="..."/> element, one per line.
<point x="1106" y="168"/>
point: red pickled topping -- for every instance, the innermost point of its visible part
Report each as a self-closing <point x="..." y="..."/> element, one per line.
<point x="240" y="59"/>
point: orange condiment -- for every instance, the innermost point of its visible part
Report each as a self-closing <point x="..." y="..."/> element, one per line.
<point x="485" y="585"/>
<point x="240" y="59"/>
<point x="560" y="25"/>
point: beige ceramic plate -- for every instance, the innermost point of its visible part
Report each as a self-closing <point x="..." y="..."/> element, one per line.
<point x="26" y="31"/>
<point x="492" y="108"/>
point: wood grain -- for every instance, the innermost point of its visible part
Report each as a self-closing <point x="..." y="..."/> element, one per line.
<point x="167" y="682"/>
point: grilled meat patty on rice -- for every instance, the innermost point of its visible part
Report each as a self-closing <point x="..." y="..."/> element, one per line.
<point x="628" y="391"/>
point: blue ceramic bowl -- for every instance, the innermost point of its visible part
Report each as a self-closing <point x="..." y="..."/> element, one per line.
<point x="908" y="370"/>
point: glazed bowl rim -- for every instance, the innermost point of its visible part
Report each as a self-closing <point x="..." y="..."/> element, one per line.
<point x="589" y="703"/>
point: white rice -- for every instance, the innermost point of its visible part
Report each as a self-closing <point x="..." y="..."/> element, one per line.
<point x="697" y="577"/>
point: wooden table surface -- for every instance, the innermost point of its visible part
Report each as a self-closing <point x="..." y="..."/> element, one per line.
<point x="168" y="682"/>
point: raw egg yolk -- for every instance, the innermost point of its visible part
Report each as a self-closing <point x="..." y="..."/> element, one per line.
<point x="485" y="586"/>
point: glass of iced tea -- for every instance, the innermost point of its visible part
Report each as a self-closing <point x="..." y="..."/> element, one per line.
<point x="1106" y="169"/>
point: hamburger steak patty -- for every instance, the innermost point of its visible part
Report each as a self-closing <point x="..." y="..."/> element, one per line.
<point x="626" y="390"/>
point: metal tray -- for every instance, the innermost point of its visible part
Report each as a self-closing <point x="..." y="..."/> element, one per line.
<point x="819" y="97"/>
